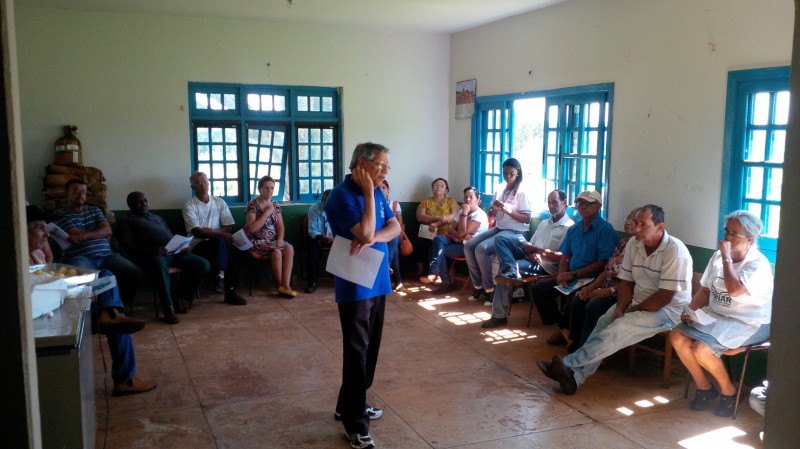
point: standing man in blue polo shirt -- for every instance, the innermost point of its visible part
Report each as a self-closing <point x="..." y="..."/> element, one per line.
<point x="357" y="210"/>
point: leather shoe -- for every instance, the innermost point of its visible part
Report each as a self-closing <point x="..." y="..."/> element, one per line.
<point x="494" y="322"/>
<point x="564" y="376"/>
<point x="110" y="321"/>
<point x="556" y="338"/>
<point x="311" y="287"/>
<point x="547" y="369"/>
<point x="135" y="385"/>
<point x="233" y="298"/>
<point x="179" y="306"/>
<point x="169" y="316"/>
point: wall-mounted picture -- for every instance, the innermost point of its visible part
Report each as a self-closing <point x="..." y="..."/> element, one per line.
<point x="465" y="98"/>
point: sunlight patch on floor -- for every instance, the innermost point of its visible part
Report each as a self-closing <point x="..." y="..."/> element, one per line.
<point x="501" y="336"/>
<point x="718" y="439"/>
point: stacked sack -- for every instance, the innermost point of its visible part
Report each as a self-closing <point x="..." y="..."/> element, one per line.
<point x="67" y="165"/>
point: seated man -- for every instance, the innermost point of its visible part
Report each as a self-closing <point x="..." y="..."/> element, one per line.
<point x="88" y="232"/>
<point x="209" y="220"/>
<point x="319" y="236"/>
<point x="144" y="236"/>
<point x="110" y="321"/>
<point x="656" y="283"/>
<point x="585" y="250"/>
<point x="539" y="257"/>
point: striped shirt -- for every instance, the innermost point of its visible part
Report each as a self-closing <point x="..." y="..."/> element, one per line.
<point x="88" y="218"/>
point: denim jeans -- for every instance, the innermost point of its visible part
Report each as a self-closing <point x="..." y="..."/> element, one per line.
<point x="120" y="346"/>
<point x="478" y="252"/>
<point x="501" y="298"/>
<point x="508" y="249"/>
<point x="442" y="248"/>
<point x="128" y="274"/>
<point x="609" y="336"/>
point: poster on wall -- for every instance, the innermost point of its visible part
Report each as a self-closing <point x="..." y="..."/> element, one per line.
<point x="465" y="98"/>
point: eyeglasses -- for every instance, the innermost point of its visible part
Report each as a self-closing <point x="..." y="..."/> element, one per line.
<point x="736" y="235"/>
<point x="581" y="203"/>
<point x="384" y="166"/>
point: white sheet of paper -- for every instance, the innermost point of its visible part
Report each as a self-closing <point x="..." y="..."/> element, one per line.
<point x="361" y="269"/>
<point x="425" y="233"/>
<point x="699" y="316"/>
<point x="59" y="235"/>
<point x="177" y="243"/>
<point x="241" y="241"/>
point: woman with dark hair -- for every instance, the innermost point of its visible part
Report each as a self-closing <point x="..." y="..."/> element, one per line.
<point x="265" y="228"/>
<point x="512" y="212"/>
<point x="471" y="221"/>
<point x="736" y="290"/>
<point x="439" y="212"/>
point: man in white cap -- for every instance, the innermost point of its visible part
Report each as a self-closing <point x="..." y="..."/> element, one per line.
<point x="585" y="250"/>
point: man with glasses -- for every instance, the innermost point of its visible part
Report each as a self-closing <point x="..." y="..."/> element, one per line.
<point x="585" y="250"/>
<point x="540" y="256"/>
<point x="357" y="210"/>
<point x="656" y="283"/>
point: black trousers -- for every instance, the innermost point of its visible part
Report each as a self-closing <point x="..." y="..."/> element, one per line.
<point x="547" y="301"/>
<point x="221" y="254"/>
<point x="362" y="327"/>
<point x="313" y="258"/>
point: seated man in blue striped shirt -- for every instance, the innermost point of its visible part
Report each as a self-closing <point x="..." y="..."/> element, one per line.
<point x="89" y="231"/>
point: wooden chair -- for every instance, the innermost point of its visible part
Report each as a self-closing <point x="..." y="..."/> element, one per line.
<point x="731" y="352"/>
<point x="454" y="276"/>
<point x="667" y="351"/>
<point x="527" y="283"/>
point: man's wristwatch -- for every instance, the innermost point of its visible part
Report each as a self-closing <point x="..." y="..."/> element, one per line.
<point x="575" y="274"/>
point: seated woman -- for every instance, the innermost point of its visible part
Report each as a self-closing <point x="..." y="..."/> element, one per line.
<point x="593" y="300"/>
<point x="472" y="220"/>
<point x="394" y="245"/>
<point x="736" y="290"/>
<point x="439" y="213"/>
<point x="512" y="212"/>
<point x="265" y="228"/>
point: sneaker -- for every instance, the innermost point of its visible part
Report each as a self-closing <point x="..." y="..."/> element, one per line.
<point x="702" y="398"/>
<point x="494" y="322"/>
<point x="476" y="293"/>
<point x="400" y="288"/>
<point x="233" y="298"/>
<point x="485" y="296"/>
<point x="726" y="406"/>
<point x="358" y="441"/>
<point x="372" y="413"/>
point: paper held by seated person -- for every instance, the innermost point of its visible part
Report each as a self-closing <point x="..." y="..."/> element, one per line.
<point x="241" y="241"/>
<point x="59" y="235"/>
<point x="177" y="244"/>
<point x="361" y="269"/>
<point x="573" y="286"/>
<point x="426" y="233"/>
<point x="699" y="316"/>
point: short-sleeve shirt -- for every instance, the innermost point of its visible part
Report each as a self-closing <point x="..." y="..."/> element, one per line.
<point x="345" y="207"/>
<point x="444" y="210"/>
<point x="213" y="215"/>
<point x="317" y="221"/>
<point x="738" y="317"/>
<point x="143" y="234"/>
<point x="585" y="247"/>
<point x="549" y="235"/>
<point x="668" y="267"/>
<point x="88" y="218"/>
<point x="519" y="202"/>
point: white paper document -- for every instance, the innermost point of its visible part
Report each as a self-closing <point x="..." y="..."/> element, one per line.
<point x="59" y="235"/>
<point x="699" y="316"/>
<point x="425" y="232"/>
<point x="361" y="269"/>
<point x="177" y="244"/>
<point x="241" y="241"/>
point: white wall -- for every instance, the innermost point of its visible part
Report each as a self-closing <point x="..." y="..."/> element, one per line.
<point x="122" y="79"/>
<point x="669" y="62"/>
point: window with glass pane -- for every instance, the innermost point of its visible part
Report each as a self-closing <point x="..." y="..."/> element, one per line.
<point x="560" y="138"/>
<point x="755" y="125"/>
<point x="243" y="132"/>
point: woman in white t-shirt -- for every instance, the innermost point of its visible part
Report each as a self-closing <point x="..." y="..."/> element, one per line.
<point x="736" y="290"/>
<point x="512" y="213"/>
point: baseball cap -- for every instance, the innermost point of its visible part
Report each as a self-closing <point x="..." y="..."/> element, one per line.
<point x="590" y="196"/>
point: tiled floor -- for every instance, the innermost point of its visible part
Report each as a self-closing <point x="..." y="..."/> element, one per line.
<point x="266" y="376"/>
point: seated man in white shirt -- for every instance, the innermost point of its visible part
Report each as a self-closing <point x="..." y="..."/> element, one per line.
<point x="319" y="237"/>
<point x="656" y="282"/>
<point x="517" y="256"/>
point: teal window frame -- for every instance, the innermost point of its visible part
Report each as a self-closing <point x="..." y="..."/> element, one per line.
<point x="493" y="141"/>
<point x="292" y="133"/>
<point x="737" y="166"/>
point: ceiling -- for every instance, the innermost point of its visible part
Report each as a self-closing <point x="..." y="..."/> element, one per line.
<point x="435" y="16"/>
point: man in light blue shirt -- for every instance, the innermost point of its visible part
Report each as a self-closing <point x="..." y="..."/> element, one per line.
<point x="319" y="237"/>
